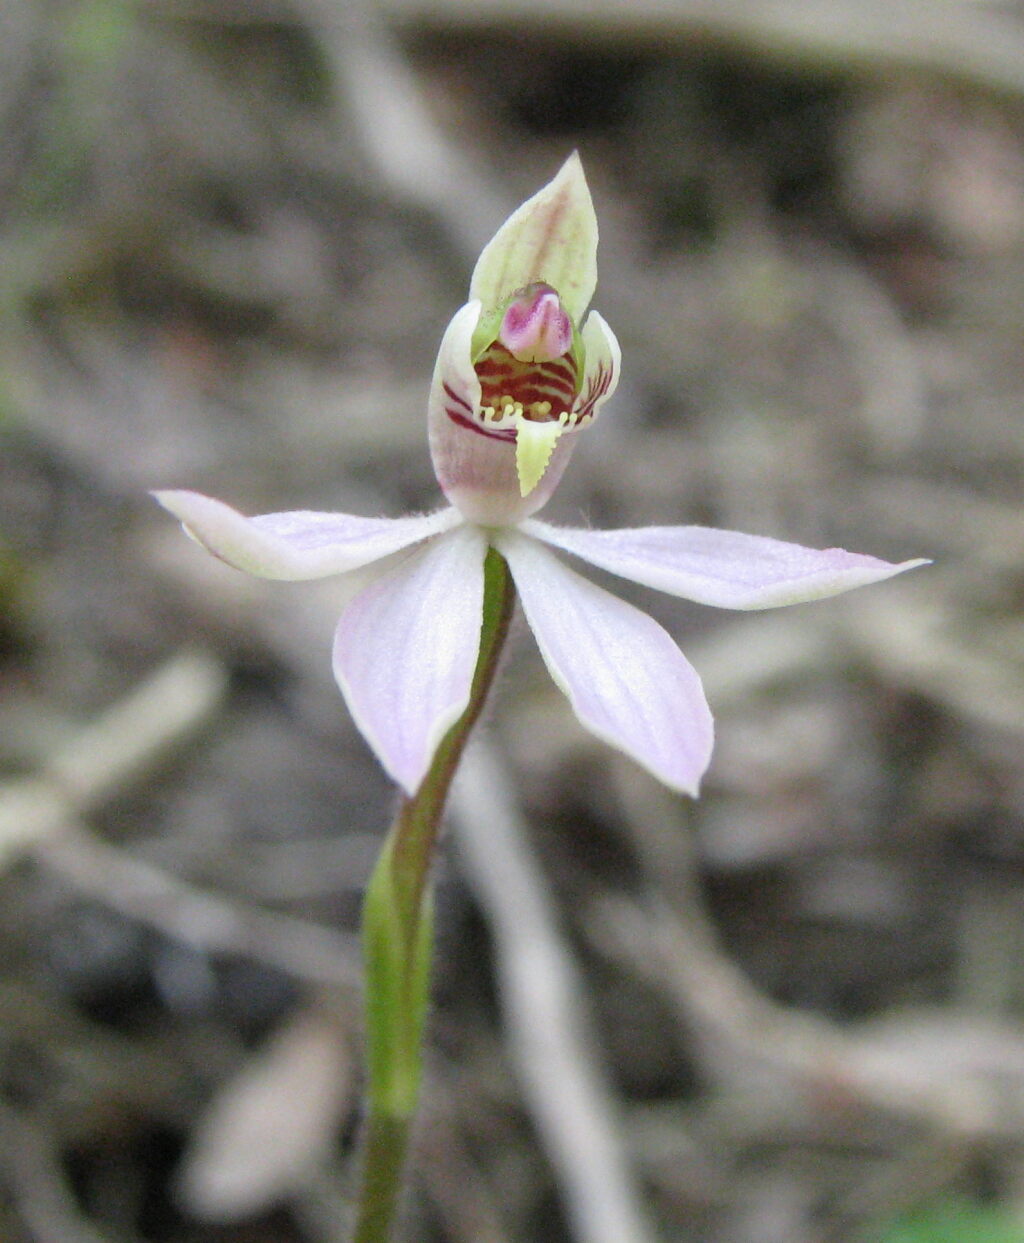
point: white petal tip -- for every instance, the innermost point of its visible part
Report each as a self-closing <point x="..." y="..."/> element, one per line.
<point x="172" y="499"/>
<point x="690" y="788"/>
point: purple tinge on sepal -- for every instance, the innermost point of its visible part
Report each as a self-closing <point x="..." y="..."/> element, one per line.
<point x="625" y="678"/>
<point x="726" y="569"/>
<point x="300" y="544"/>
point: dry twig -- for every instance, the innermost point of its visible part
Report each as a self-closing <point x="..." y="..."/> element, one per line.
<point x="566" y="1092"/>
<point x="976" y="44"/>
<point x="40" y="1190"/>
<point x="411" y="154"/>
<point x="745" y="1039"/>
<point x="43" y="815"/>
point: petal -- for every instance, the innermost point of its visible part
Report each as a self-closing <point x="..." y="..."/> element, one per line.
<point x="552" y="238"/>
<point x="722" y="568"/>
<point x="406" y="648"/>
<point x="603" y="362"/>
<point x="627" y="681"/>
<point x="455" y="385"/>
<point x="301" y="544"/>
<point x="454" y="401"/>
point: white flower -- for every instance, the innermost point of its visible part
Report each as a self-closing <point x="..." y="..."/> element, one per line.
<point x="522" y="370"/>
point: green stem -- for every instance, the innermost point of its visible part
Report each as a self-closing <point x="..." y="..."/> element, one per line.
<point x="415" y="830"/>
<point x="384" y="1145"/>
<point x="397" y="936"/>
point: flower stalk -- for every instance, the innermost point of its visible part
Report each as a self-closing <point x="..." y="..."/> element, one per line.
<point x="398" y="936"/>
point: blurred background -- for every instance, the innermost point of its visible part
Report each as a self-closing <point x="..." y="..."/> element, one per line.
<point x="233" y="232"/>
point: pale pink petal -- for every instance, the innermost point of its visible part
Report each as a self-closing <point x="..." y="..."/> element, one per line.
<point x="301" y="544"/>
<point x="406" y="648"/>
<point x="603" y="362"/>
<point x="722" y="568"/>
<point x="455" y="386"/>
<point x="626" y="680"/>
<point x="453" y="404"/>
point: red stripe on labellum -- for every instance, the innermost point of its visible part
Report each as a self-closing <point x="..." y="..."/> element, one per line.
<point x="597" y="386"/>
<point x="461" y="401"/>
<point x="506" y="434"/>
<point x="501" y="375"/>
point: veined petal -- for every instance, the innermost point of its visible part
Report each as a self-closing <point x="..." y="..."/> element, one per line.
<point x="723" y="568"/>
<point x="603" y="363"/>
<point x="627" y="681"/>
<point x="406" y="648"/>
<point x="552" y="238"/>
<point x="455" y="388"/>
<point x="454" y="401"/>
<point x="301" y="544"/>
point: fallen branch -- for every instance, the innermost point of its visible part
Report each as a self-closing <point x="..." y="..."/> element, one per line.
<point x="43" y="815"/>
<point x="567" y="1094"/>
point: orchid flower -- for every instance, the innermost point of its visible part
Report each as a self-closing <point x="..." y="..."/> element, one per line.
<point x="523" y="370"/>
